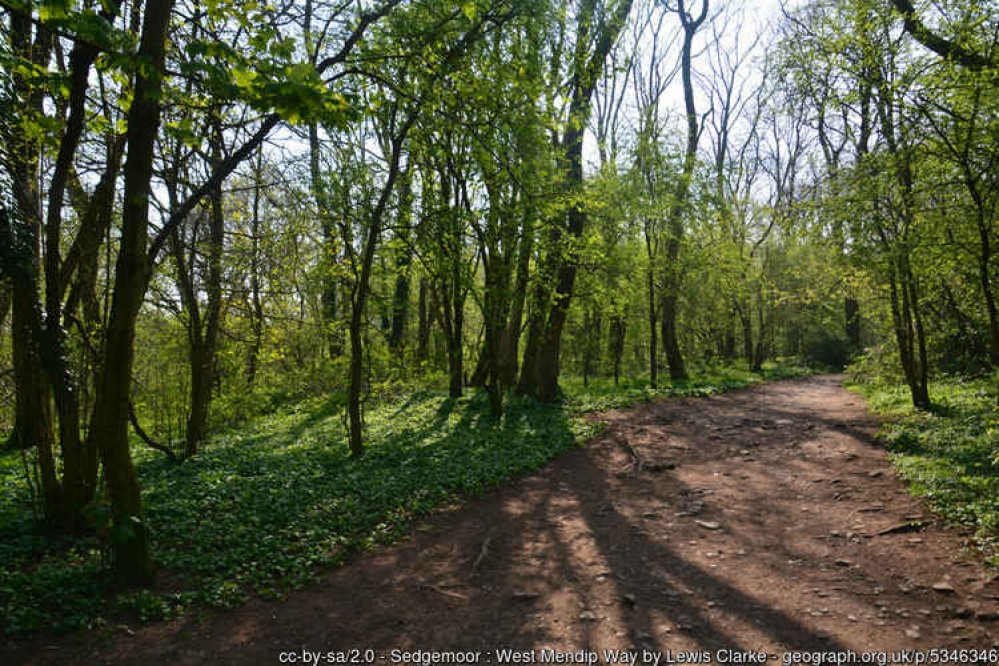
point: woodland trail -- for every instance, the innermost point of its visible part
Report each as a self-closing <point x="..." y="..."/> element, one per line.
<point x="759" y="519"/>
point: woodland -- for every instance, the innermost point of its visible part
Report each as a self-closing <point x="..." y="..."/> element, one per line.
<point x="278" y="277"/>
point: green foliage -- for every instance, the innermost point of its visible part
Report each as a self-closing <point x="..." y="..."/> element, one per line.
<point x="148" y="606"/>
<point x="827" y="349"/>
<point x="950" y="455"/>
<point x="705" y="380"/>
<point x="878" y="364"/>
<point x="263" y="71"/>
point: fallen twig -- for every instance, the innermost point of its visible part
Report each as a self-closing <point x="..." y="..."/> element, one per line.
<point x="483" y="551"/>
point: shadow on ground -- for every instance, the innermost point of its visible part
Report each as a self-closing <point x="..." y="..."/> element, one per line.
<point x="755" y="520"/>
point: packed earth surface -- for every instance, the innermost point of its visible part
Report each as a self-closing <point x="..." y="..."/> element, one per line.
<point x="765" y="519"/>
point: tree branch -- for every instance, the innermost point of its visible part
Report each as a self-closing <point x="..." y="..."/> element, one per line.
<point x="945" y="48"/>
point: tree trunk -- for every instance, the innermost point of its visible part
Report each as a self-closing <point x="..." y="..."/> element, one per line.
<point x="403" y="259"/>
<point x="200" y="397"/>
<point x="671" y="343"/>
<point x="327" y="280"/>
<point x="591" y="342"/>
<point x="727" y="342"/>
<point x="510" y="342"/>
<point x="746" y="321"/>
<point x="984" y="261"/>
<point x="480" y="375"/>
<point x="20" y="250"/>
<point x="528" y="382"/>
<point x="762" y="334"/>
<point x="619" y="329"/>
<point x="497" y="266"/>
<point x="455" y="337"/>
<point x="362" y="288"/>
<point x="130" y="545"/>
<point x="674" y="272"/>
<point x="400" y="307"/>
<point x="256" y="305"/>
<point x="4" y="294"/>
<point x="423" y="323"/>
<point x="851" y="308"/>
<point x="896" y="244"/>
<point x="544" y="343"/>
<point x="493" y="315"/>
<point x="356" y="380"/>
<point x="921" y="396"/>
<point x="902" y="305"/>
<point x="551" y="343"/>
<point x="78" y="459"/>
<point x="547" y="363"/>
<point x="33" y="426"/>
<point x="653" y="328"/>
<point x="204" y="349"/>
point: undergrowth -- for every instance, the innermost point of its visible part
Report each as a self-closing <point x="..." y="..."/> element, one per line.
<point x="949" y="455"/>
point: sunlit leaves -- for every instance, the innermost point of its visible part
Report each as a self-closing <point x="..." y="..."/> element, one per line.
<point x="267" y="79"/>
<point x="296" y="92"/>
<point x="54" y="9"/>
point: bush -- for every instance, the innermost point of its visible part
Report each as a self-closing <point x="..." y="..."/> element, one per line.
<point x="827" y="350"/>
<point x="879" y="363"/>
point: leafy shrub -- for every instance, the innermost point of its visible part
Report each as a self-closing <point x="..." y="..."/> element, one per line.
<point x="878" y="363"/>
<point x="827" y="349"/>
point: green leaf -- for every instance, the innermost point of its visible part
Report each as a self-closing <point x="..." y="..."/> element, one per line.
<point x="50" y="10"/>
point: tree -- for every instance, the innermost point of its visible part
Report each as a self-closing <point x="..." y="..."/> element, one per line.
<point x="110" y="421"/>
<point x="963" y="120"/>
<point x="400" y="114"/>
<point x="594" y="39"/>
<point x="673" y="277"/>
<point x="652" y="170"/>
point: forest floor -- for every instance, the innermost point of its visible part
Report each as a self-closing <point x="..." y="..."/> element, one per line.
<point x="765" y="518"/>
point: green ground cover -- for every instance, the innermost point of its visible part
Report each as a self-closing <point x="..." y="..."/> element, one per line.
<point x="948" y="456"/>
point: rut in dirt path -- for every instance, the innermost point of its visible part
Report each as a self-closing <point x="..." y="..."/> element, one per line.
<point x="761" y="519"/>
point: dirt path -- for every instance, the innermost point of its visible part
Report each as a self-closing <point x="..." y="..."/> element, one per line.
<point x="750" y="520"/>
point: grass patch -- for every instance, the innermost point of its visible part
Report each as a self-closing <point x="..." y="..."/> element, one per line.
<point x="601" y="393"/>
<point x="948" y="456"/>
<point x="264" y="508"/>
